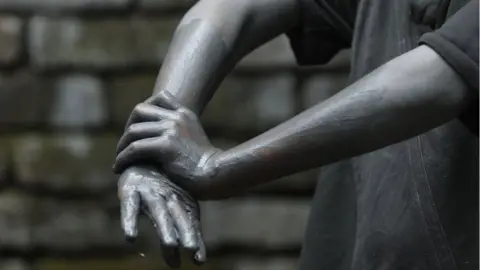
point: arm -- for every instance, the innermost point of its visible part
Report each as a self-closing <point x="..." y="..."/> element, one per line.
<point x="209" y="41"/>
<point x="403" y="98"/>
<point x="211" y="38"/>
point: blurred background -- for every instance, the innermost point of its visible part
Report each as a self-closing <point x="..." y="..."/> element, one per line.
<point x="70" y="73"/>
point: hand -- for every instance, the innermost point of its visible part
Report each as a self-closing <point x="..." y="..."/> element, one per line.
<point x="163" y="132"/>
<point x="174" y="214"/>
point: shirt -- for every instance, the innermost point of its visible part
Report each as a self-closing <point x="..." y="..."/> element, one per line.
<point x="412" y="205"/>
<point x="457" y="43"/>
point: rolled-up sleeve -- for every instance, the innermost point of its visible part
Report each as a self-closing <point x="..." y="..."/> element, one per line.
<point x="456" y="41"/>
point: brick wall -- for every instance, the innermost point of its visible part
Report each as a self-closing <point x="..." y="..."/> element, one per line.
<point x="70" y="73"/>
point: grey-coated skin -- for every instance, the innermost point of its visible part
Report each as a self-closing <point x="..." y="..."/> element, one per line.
<point x="407" y="96"/>
<point x="174" y="213"/>
<point x="211" y="38"/>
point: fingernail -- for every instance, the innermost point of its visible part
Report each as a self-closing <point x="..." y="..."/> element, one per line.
<point x="130" y="235"/>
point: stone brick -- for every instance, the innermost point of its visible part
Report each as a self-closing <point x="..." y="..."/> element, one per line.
<point x="246" y="263"/>
<point x="73" y="226"/>
<point x="252" y="102"/>
<point x="15" y="224"/>
<point x="61" y="5"/>
<point x="276" y="53"/>
<point x="13" y="264"/>
<point x="79" y="102"/>
<point x="149" y="5"/>
<point x="126" y="92"/>
<point x="5" y="155"/>
<point x="106" y="43"/>
<point x="149" y="262"/>
<point x="10" y="38"/>
<point x="24" y="99"/>
<point x="321" y="86"/>
<point x="70" y="226"/>
<point x="257" y="102"/>
<point x="244" y="222"/>
<point x="154" y="262"/>
<point x="72" y="163"/>
<point x="259" y="223"/>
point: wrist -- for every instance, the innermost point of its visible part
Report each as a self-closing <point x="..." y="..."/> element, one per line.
<point x="208" y="170"/>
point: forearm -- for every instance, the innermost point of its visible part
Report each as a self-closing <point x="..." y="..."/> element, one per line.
<point x="405" y="97"/>
<point x="211" y="38"/>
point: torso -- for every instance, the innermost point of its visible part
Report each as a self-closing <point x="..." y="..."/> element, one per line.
<point x="413" y="205"/>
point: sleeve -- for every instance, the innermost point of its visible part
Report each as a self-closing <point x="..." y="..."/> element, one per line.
<point x="325" y="27"/>
<point x="456" y="41"/>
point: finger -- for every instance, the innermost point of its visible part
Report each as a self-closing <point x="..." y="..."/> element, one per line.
<point x="140" y="131"/>
<point x="165" y="100"/>
<point x="129" y="209"/>
<point x="184" y="223"/>
<point x="144" y="112"/>
<point x="200" y="256"/>
<point x="165" y="227"/>
<point x="150" y="148"/>
<point x="170" y="255"/>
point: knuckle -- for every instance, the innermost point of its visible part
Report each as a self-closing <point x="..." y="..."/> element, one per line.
<point x="134" y="146"/>
<point x="163" y="94"/>
<point x="142" y="108"/>
<point x="175" y="126"/>
<point x="166" y="193"/>
<point x="181" y="117"/>
<point x="167" y="124"/>
<point x="177" y="118"/>
<point x="130" y="129"/>
<point x="182" y="112"/>
<point x="188" y="114"/>
<point x="169" y="137"/>
<point x="133" y="128"/>
<point x="173" y="196"/>
<point x="138" y="108"/>
<point x="167" y="142"/>
<point x="174" y="134"/>
<point x="171" y="127"/>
